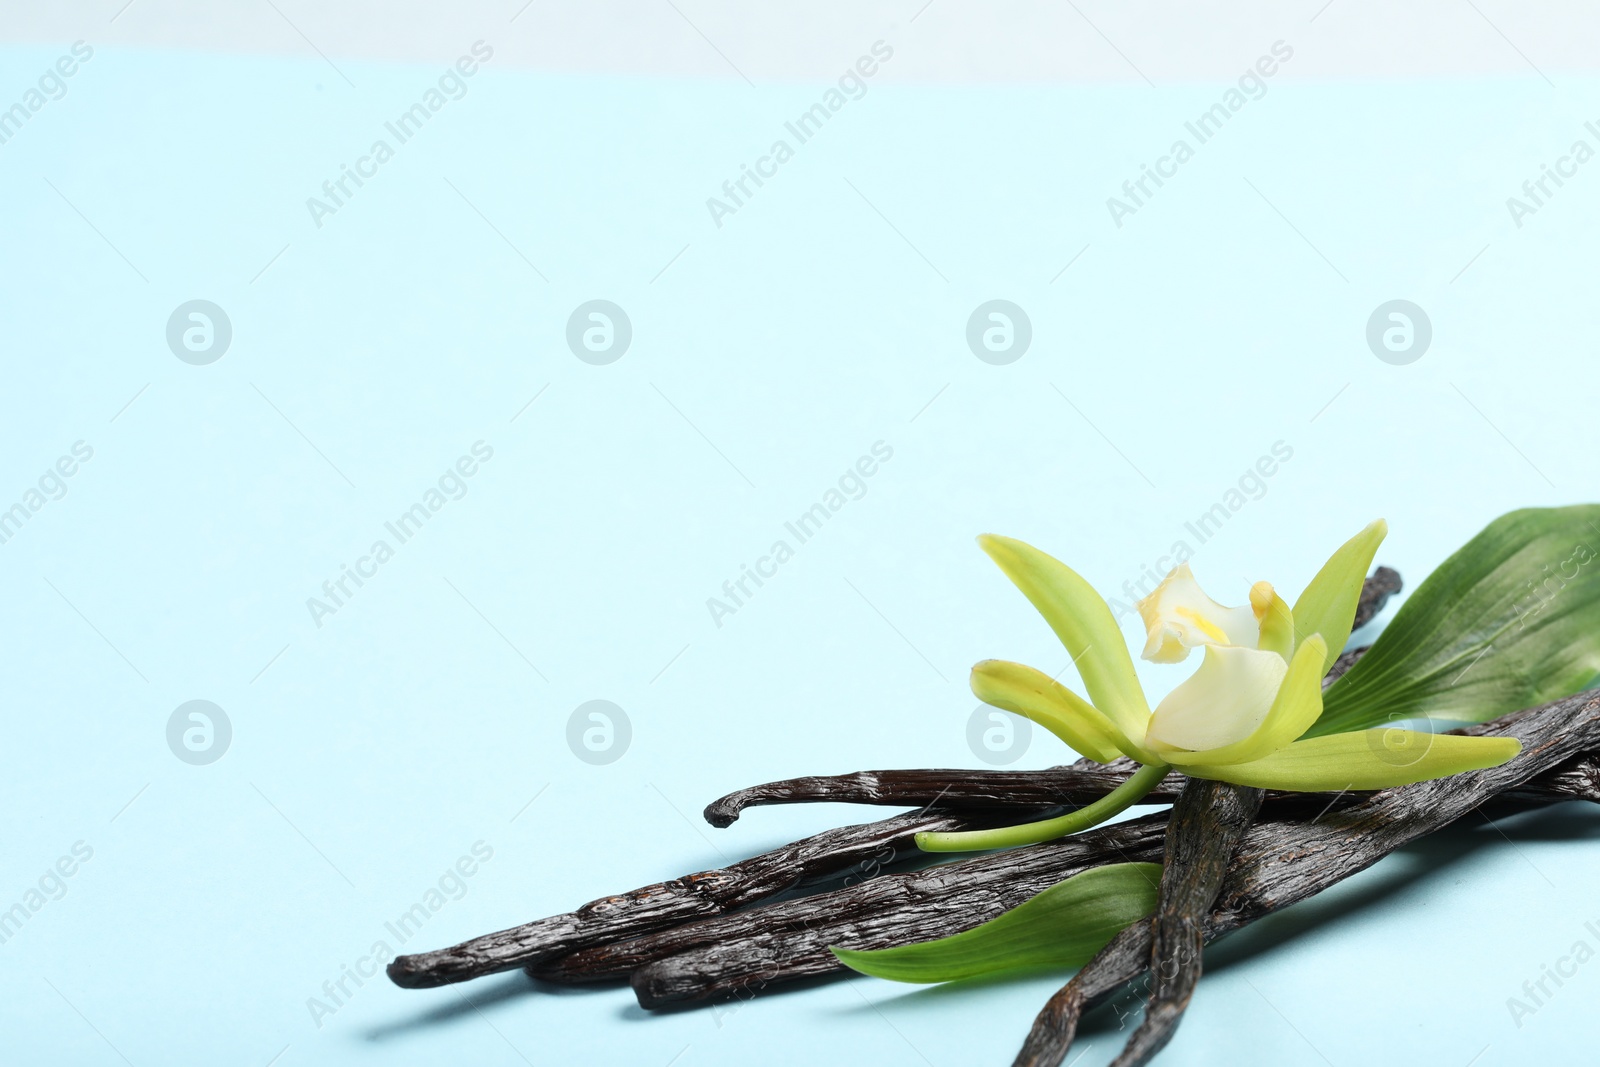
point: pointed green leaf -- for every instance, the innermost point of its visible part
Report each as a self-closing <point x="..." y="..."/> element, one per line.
<point x="1328" y="604"/>
<point x="1035" y="695"/>
<point x="1511" y="620"/>
<point x="1083" y="622"/>
<point x="1062" y="927"/>
<point x="1366" y="759"/>
<point x="1294" y="709"/>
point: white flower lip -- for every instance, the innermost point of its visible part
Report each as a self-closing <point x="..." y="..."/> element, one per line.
<point x="1179" y="616"/>
<point x="1222" y="702"/>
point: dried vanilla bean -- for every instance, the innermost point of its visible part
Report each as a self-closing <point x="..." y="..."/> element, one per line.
<point x="1345" y="661"/>
<point x="790" y="939"/>
<point x="861" y="850"/>
<point x="1578" y="779"/>
<point x="1073" y="786"/>
<point x="1282" y="863"/>
<point x="1381" y="584"/>
<point x="844" y="852"/>
<point x="1123" y="959"/>
<point x="679" y="942"/>
<point x="762" y="947"/>
<point x="1207" y="822"/>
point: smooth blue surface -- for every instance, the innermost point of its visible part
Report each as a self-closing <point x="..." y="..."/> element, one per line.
<point x="826" y="315"/>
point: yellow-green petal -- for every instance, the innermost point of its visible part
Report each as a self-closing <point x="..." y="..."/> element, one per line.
<point x="1035" y="695"/>
<point x="1274" y="619"/>
<point x="1083" y="622"/>
<point x="1365" y="759"/>
<point x="1328" y="604"/>
<point x="1294" y="709"/>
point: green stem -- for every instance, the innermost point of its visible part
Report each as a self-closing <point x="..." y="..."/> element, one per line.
<point x="1142" y="781"/>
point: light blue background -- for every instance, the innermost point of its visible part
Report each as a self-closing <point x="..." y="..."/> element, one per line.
<point x="769" y="355"/>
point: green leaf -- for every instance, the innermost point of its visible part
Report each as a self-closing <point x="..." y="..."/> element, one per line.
<point x="1511" y="620"/>
<point x="1366" y="759"/>
<point x="1083" y="622"/>
<point x="1062" y="927"/>
<point x="1035" y="695"/>
<point x="1328" y="605"/>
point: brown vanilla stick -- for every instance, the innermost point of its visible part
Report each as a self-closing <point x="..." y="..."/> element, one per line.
<point x="1122" y="960"/>
<point x="1282" y="863"/>
<point x="1207" y="822"/>
<point x="1199" y="845"/>
<point x="756" y="950"/>
<point x="1577" y="779"/>
<point x="1381" y="584"/>
<point x="592" y="962"/>
<point x="939" y="787"/>
<point x="742" y="954"/>
<point x="850" y="851"/>
<point x="1074" y="786"/>
<point x="790" y="939"/>
<point x="1069" y="786"/>
<point x="714" y="892"/>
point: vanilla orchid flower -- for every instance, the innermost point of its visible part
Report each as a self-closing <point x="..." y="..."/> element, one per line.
<point x="1238" y="718"/>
